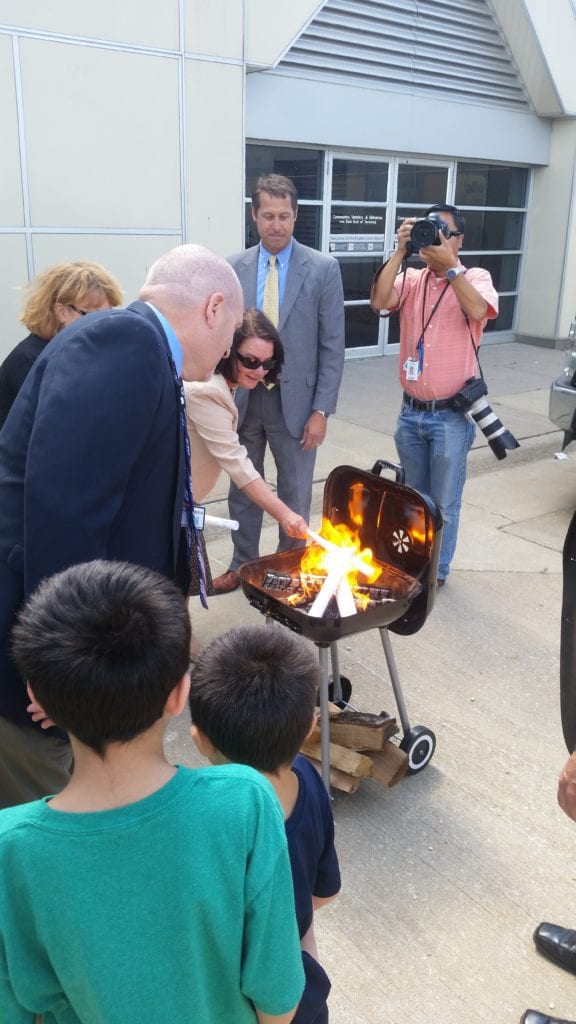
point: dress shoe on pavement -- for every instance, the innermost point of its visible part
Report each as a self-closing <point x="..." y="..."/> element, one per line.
<point x="226" y="583"/>
<point x="558" y="944"/>
<point x="533" y="1017"/>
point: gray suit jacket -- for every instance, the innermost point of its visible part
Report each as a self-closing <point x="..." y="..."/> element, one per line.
<point x="312" y="330"/>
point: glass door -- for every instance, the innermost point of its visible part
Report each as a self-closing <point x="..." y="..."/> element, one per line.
<point x="418" y="186"/>
<point x="356" y="231"/>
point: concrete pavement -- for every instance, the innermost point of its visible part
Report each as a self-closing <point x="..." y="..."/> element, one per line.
<point x="446" y="875"/>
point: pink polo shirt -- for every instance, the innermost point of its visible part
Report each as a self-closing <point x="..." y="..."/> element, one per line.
<point x="449" y="359"/>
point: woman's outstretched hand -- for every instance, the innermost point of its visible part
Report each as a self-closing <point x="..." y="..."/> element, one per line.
<point x="295" y="526"/>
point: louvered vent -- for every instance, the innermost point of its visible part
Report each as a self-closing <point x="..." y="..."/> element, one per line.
<point x="452" y="47"/>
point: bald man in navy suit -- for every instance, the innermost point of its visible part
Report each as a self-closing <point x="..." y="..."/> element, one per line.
<point x="92" y="465"/>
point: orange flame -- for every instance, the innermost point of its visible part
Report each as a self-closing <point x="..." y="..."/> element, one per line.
<point x="317" y="562"/>
<point x="356" y="503"/>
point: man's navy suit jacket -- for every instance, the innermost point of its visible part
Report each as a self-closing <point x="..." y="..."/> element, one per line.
<point x="91" y="464"/>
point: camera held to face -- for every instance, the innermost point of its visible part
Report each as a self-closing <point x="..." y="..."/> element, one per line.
<point x="426" y="231"/>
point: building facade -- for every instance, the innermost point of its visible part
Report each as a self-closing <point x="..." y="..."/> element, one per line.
<point x="128" y="128"/>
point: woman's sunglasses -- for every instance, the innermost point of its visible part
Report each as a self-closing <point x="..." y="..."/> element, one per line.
<point x="252" y="363"/>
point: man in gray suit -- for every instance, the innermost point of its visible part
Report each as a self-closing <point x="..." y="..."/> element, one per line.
<point x="309" y="313"/>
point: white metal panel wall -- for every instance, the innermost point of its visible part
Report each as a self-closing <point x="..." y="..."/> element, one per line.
<point x="286" y="108"/>
<point x="449" y="47"/>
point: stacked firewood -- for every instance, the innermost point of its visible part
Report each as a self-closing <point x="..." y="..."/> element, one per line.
<point x="360" y="748"/>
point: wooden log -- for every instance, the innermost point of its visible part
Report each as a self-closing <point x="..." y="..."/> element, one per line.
<point x="359" y="730"/>
<point x="338" y="780"/>
<point x="389" y="765"/>
<point x="341" y="758"/>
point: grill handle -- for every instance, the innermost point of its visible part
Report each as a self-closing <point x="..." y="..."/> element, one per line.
<point x="398" y="471"/>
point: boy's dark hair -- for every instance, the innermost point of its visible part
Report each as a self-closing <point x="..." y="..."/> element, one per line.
<point x="102" y="645"/>
<point x="253" y="694"/>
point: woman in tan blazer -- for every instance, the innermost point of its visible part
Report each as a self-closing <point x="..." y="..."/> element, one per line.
<point x="255" y="359"/>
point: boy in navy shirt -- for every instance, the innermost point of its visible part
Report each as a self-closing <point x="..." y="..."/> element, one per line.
<point x="253" y="702"/>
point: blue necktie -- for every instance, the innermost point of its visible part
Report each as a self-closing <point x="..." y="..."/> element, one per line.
<point x="191" y="536"/>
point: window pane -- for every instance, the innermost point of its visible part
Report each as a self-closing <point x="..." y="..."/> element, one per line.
<point x="357" y="277"/>
<point x="357" y="228"/>
<point x="394" y="329"/>
<point x="421" y="184"/>
<point x="483" y="185"/>
<point x="502" y="269"/>
<point x="307" y="229"/>
<point x="359" y="179"/>
<point x="303" y="166"/>
<point x="486" y="230"/>
<point x="505" y="318"/>
<point x="361" y="327"/>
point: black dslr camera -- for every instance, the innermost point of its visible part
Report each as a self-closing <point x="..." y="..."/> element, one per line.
<point x="426" y="231"/>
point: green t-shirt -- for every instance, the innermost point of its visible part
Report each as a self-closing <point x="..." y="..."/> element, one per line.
<point x="178" y="909"/>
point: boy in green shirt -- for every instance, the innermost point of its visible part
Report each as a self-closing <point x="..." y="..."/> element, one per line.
<point x="142" y="892"/>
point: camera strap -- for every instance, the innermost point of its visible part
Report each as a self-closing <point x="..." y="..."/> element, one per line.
<point x="385" y="314"/>
<point x="434" y="307"/>
<point x="473" y="343"/>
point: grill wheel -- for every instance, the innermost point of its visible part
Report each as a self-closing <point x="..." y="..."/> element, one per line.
<point x="419" y="743"/>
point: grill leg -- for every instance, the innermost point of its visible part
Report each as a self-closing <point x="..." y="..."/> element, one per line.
<point x="336" y="685"/>
<point x="394" y="677"/>
<point x="324" y="720"/>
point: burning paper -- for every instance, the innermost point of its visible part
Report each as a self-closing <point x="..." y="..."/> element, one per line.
<point x="337" y="557"/>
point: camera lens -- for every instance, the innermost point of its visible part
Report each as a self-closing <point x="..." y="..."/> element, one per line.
<point x="424" y="232"/>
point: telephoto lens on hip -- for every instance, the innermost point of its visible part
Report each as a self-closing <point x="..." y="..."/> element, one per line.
<point x="499" y="438"/>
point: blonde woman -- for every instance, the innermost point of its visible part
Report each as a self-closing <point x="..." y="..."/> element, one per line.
<point x="56" y="298"/>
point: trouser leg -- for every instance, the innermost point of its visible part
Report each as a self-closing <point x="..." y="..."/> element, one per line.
<point x="252" y="434"/>
<point x="452" y="439"/>
<point x="433" y="448"/>
<point x="33" y="763"/>
<point x="413" y="447"/>
<point x="294" y="476"/>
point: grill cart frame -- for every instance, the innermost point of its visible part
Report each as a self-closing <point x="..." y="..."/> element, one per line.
<point x="403" y="528"/>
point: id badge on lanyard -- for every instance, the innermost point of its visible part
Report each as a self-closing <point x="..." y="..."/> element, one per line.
<point x="413" y="366"/>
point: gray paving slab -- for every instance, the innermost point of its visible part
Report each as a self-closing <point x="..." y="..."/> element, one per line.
<point x="446" y="876"/>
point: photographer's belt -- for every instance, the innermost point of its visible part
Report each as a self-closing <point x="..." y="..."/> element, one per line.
<point x="436" y="403"/>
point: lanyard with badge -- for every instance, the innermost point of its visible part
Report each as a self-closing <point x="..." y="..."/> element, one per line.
<point x="414" y="364"/>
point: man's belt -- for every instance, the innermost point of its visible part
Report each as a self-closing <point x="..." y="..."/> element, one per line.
<point x="437" y="403"/>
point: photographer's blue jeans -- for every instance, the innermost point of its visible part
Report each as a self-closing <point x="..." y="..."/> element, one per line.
<point x="433" y="448"/>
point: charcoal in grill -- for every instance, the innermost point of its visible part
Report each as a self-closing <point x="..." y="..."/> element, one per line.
<point x="286" y="583"/>
<point x="301" y="589"/>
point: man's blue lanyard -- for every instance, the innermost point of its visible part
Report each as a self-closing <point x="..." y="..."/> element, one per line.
<point x="191" y="536"/>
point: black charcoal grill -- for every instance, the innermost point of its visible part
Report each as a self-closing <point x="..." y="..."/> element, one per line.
<point x="403" y="530"/>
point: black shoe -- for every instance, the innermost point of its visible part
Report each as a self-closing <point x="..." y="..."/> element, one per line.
<point x="533" y="1017"/>
<point x="558" y="944"/>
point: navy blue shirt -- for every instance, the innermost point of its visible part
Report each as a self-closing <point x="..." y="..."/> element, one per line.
<point x="315" y="872"/>
<point x="310" y="835"/>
